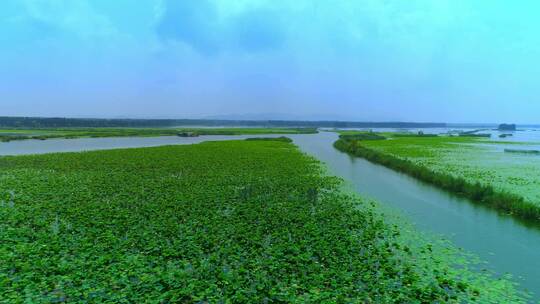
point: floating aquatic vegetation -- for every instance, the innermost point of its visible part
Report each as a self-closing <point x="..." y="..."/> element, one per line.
<point x="247" y="222"/>
<point x="444" y="163"/>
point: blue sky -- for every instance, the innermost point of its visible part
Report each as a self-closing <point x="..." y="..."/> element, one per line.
<point x="414" y="60"/>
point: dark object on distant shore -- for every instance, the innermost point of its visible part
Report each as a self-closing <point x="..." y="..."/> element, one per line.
<point x="535" y="152"/>
<point x="362" y="136"/>
<point x="281" y="138"/>
<point x="473" y="131"/>
<point x="507" y="127"/>
<point x="419" y="134"/>
<point x="506" y="135"/>
<point x="188" y="134"/>
<point x="474" y="135"/>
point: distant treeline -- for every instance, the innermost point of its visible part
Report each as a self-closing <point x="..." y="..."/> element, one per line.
<point x="42" y="122"/>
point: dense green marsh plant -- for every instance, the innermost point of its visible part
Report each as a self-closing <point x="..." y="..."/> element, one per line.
<point x="219" y="222"/>
<point x="484" y="194"/>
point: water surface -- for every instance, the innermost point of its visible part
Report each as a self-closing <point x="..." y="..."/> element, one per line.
<point x="20" y="147"/>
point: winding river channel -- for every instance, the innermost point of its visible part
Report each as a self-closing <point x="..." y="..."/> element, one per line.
<point x="505" y="244"/>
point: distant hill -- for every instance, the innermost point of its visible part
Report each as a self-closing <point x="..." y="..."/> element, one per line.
<point x="45" y="122"/>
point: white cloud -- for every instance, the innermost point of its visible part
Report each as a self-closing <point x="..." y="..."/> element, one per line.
<point x="75" y="17"/>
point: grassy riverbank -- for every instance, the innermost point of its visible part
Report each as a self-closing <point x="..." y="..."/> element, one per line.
<point x="43" y="134"/>
<point x="199" y="223"/>
<point x="451" y="163"/>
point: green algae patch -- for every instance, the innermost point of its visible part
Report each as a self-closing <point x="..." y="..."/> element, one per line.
<point x="218" y="222"/>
